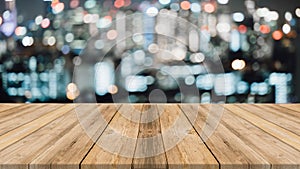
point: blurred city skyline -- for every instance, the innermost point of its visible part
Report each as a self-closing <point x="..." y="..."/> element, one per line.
<point x="150" y="51"/>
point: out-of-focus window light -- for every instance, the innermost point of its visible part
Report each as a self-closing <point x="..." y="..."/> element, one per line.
<point x="164" y="2"/>
<point x="45" y="23"/>
<point x="69" y="37"/>
<point x="104" y="77"/>
<point x="223" y="27"/>
<point x="175" y="6"/>
<point x="195" y="7"/>
<point x="38" y="20"/>
<point x="136" y="83"/>
<point x="90" y="4"/>
<point x="280" y="80"/>
<point x="262" y="12"/>
<point x="205" y="98"/>
<point x="297" y="12"/>
<point x="57" y="8"/>
<point x="51" y="41"/>
<point x="20" y="30"/>
<point x="112" y="34"/>
<point x="104" y="22"/>
<point x="242" y="87"/>
<point x="288" y="16"/>
<point x="238" y="64"/>
<point x="27" y="41"/>
<point x="225" y="84"/>
<point x="223" y="2"/>
<point x="209" y="7"/>
<point x="152" y="11"/>
<point x="6" y="15"/>
<point x="72" y="91"/>
<point x="272" y="16"/>
<point x="238" y="17"/>
<point x="235" y="44"/>
<point x="205" y="82"/>
<point x="197" y="57"/>
<point x="286" y="28"/>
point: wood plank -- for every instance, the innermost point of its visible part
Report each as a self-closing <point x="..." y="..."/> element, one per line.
<point x="10" y="113"/>
<point x="25" y="130"/>
<point x="230" y="151"/>
<point x="184" y="146"/>
<point x="276" y="115"/>
<point x="245" y="136"/>
<point x="24" y="116"/>
<point x="71" y="149"/>
<point x="22" y="152"/>
<point x="280" y="133"/>
<point x="295" y="107"/>
<point x="111" y="150"/>
<point x="252" y="130"/>
<point x="286" y="113"/>
<point x="149" y="152"/>
<point x="7" y="106"/>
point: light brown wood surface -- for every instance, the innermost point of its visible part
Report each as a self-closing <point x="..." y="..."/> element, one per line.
<point x="175" y="136"/>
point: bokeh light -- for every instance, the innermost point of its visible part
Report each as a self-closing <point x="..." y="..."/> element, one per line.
<point x="59" y="7"/>
<point x="288" y="16"/>
<point x="209" y="7"/>
<point x="277" y="35"/>
<point x="119" y="3"/>
<point x="238" y="64"/>
<point x="45" y="23"/>
<point x="286" y="28"/>
<point x="297" y="12"/>
<point x="164" y="2"/>
<point x="112" y="34"/>
<point x="243" y="29"/>
<point x="185" y="5"/>
<point x="238" y="17"/>
<point x="20" y="31"/>
<point x="264" y="29"/>
<point x="152" y="11"/>
<point x="72" y="91"/>
<point x="223" y="2"/>
<point x="27" y="41"/>
<point x="38" y="20"/>
<point x="195" y="7"/>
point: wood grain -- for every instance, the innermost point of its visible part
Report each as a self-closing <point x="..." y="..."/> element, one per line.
<point x="175" y="136"/>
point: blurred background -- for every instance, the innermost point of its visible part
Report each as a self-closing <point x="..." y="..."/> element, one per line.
<point x="257" y="42"/>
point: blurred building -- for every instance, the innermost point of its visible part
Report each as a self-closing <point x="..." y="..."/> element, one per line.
<point x="149" y="51"/>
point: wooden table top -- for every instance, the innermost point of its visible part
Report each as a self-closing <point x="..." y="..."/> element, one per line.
<point x="84" y="136"/>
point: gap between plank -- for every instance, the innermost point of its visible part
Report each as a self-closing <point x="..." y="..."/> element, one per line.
<point x="200" y="136"/>
<point x="93" y="145"/>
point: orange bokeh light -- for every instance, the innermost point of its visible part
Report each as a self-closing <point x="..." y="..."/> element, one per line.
<point x="264" y="29"/>
<point x="108" y="17"/>
<point x="243" y="29"/>
<point x="209" y="7"/>
<point x="119" y="3"/>
<point x="185" y="5"/>
<point x="277" y="35"/>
